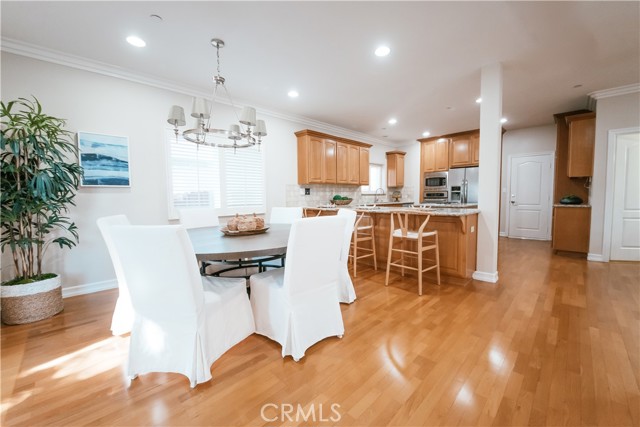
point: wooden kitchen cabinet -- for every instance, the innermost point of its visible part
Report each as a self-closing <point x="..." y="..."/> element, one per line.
<point x="434" y="155"/>
<point x="582" y="129"/>
<point x="571" y="226"/>
<point x="464" y="150"/>
<point x="395" y="168"/>
<point x="364" y="165"/>
<point x="326" y="159"/>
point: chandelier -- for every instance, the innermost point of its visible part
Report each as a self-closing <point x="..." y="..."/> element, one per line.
<point x="248" y="132"/>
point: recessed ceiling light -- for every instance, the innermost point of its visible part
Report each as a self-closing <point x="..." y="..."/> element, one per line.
<point x="426" y="133"/>
<point x="136" y="41"/>
<point x="155" y="17"/>
<point x="293" y="94"/>
<point x="478" y="100"/>
<point x="503" y="120"/>
<point x="393" y="121"/>
<point x="382" y="51"/>
<point x="577" y="86"/>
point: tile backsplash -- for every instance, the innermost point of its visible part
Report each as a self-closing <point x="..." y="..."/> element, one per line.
<point x="322" y="193"/>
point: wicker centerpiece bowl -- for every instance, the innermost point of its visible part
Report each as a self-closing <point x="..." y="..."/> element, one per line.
<point x="341" y="202"/>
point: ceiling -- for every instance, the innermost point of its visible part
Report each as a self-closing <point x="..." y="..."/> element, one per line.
<point x="553" y="54"/>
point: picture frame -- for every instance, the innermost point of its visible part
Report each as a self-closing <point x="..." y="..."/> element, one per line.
<point x="105" y="160"/>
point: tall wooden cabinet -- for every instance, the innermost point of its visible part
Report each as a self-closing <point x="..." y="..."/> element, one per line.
<point x="581" y="144"/>
<point x="326" y="159"/>
<point x="395" y="168"/>
<point x="575" y="138"/>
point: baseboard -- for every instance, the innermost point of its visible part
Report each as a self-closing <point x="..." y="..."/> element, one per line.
<point x="89" y="288"/>
<point x="504" y="234"/>
<point x="485" y="277"/>
<point x="596" y="258"/>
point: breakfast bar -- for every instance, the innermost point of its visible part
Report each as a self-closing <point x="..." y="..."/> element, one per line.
<point x="457" y="233"/>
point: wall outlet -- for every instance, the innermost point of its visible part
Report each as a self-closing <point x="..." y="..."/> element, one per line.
<point x="307" y="191"/>
<point x="302" y="191"/>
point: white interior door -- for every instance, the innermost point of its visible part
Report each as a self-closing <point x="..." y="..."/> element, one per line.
<point x="530" y="196"/>
<point x="625" y="226"/>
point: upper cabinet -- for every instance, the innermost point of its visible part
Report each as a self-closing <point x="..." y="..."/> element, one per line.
<point x="364" y="165"/>
<point x="434" y="155"/>
<point x="395" y="168"/>
<point x="581" y="144"/>
<point x="326" y="159"/>
<point x="464" y="150"/>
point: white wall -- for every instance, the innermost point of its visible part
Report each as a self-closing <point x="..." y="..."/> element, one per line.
<point x="97" y="103"/>
<point x="533" y="140"/>
<point x="616" y="112"/>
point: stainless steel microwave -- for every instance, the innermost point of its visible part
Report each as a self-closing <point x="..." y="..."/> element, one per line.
<point x="435" y="181"/>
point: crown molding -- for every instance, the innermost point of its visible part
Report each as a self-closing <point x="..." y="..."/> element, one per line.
<point x="40" y="53"/>
<point x="616" y="91"/>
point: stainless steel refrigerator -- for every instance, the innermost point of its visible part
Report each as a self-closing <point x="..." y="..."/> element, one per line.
<point x="466" y="181"/>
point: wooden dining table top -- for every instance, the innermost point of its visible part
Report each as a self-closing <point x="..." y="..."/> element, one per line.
<point x="209" y="243"/>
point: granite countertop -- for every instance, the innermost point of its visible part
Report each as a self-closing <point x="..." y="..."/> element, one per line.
<point x="560" y="205"/>
<point x="411" y="210"/>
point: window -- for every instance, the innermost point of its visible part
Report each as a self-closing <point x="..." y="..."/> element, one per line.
<point x="375" y="179"/>
<point x="202" y="176"/>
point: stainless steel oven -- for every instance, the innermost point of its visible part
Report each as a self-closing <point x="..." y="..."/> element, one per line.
<point x="435" y="197"/>
<point x="435" y="181"/>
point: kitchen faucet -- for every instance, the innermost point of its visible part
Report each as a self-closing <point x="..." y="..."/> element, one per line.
<point x="375" y="197"/>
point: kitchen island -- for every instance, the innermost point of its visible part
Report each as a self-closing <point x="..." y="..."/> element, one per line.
<point x="457" y="234"/>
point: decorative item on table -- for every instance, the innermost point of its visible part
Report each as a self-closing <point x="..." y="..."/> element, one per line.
<point x="571" y="199"/>
<point x="340" y="200"/>
<point x="396" y="196"/>
<point x="244" y="224"/>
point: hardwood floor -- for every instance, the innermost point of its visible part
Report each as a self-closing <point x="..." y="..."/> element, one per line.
<point x="555" y="342"/>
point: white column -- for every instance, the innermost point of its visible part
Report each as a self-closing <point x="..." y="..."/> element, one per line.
<point x="489" y="173"/>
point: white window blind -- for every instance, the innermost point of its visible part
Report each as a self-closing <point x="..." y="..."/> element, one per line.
<point x="375" y="179"/>
<point x="203" y="176"/>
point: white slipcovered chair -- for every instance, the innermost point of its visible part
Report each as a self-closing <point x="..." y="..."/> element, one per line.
<point x="281" y="215"/>
<point x="183" y="322"/>
<point x="123" y="313"/>
<point x="346" y="292"/>
<point x="297" y="306"/>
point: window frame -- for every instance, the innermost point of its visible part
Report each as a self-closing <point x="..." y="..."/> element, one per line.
<point x="367" y="189"/>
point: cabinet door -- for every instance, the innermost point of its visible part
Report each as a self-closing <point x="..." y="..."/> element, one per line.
<point x="475" y="146"/>
<point x="342" y="163"/>
<point x="428" y="157"/>
<point x="330" y="161"/>
<point x="460" y="151"/>
<point x="364" y="166"/>
<point x="353" y="164"/>
<point x="571" y="229"/>
<point x="400" y="171"/>
<point x="442" y="155"/>
<point x="315" y="160"/>
<point x="581" y="146"/>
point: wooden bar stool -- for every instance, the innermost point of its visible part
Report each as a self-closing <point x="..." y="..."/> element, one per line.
<point x="363" y="232"/>
<point x="425" y="241"/>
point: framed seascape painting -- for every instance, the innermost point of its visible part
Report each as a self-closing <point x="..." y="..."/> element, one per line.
<point x="105" y="160"/>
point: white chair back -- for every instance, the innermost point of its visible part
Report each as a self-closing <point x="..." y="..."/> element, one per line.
<point x="122" y="314"/>
<point x="158" y="262"/>
<point x="313" y="254"/>
<point x="199" y="217"/>
<point x="284" y="215"/>
<point x="346" y="291"/>
<point x="350" y="217"/>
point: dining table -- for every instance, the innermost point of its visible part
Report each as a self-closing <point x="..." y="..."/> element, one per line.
<point x="211" y="244"/>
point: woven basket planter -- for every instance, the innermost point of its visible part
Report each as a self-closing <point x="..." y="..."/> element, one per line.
<point x="31" y="302"/>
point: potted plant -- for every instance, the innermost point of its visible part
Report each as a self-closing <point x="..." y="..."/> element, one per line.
<point x="39" y="178"/>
